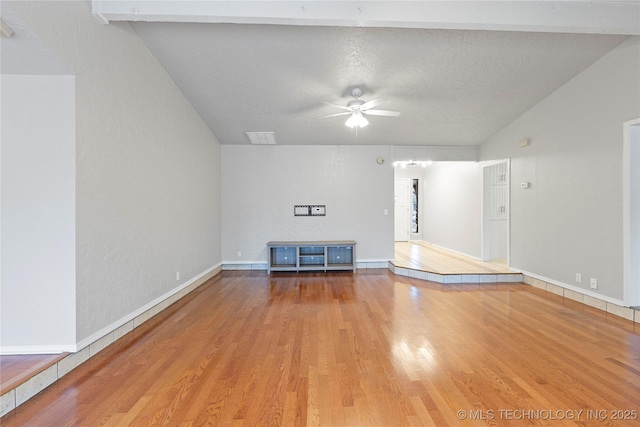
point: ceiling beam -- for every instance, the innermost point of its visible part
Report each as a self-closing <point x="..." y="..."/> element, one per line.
<point x="563" y="16"/>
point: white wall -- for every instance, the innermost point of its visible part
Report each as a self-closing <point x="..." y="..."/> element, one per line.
<point x="38" y="281"/>
<point x="261" y="185"/>
<point x="452" y="206"/>
<point x="148" y="169"/>
<point x="570" y="220"/>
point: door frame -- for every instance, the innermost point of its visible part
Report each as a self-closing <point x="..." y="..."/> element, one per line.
<point x="484" y="222"/>
<point x="631" y="291"/>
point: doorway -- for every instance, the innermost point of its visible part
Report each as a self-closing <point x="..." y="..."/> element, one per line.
<point x="415" y="207"/>
<point x="402" y="204"/>
<point x="631" y="212"/>
<point x="495" y="211"/>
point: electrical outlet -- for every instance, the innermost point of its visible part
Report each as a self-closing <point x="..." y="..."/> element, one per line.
<point x="578" y="277"/>
<point x="239" y="254"/>
<point x="177" y="275"/>
<point x="594" y="283"/>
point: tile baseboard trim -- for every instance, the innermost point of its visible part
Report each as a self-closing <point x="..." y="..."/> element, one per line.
<point x="567" y="286"/>
<point x="601" y="302"/>
<point x="372" y="263"/>
<point x="607" y="304"/>
<point x="257" y="265"/>
<point x="152" y="308"/>
<point x="243" y="265"/>
<point x="95" y="343"/>
<point x="450" y="279"/>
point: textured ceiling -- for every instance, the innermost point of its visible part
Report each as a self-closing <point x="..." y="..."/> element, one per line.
<point x="453" y="87"/>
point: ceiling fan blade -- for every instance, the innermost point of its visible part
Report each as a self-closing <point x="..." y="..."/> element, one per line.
<point x="371" y="104"/>
<point x="382" y="113"/>
<point x="337" y="114"/>
<point x="336" y="105"/>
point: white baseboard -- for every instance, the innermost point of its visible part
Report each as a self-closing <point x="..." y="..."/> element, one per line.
<point x="90" y="346"/>
<point x="244" y="265"/>
<point x="571" y="287"/>
<point x="149" y="306"/>
<point x="372" y="263"/>
<point x="452" y="250"/>
<point x="99" y="335"/>
<point x="610" y="305"/>
<point x="261" y="265"/>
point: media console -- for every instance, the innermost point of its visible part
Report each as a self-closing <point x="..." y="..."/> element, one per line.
<point x="312" y="256"/>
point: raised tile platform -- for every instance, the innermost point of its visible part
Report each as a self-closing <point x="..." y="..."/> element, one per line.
<point x="423" y="261"/>
<point x="449" y="279"/>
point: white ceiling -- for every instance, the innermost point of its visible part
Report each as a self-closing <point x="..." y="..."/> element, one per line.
<point x="453" y="87"/>
<point x="450" y="67"/>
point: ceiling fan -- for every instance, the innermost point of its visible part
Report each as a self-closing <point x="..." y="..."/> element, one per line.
<point x="357" y="107"/>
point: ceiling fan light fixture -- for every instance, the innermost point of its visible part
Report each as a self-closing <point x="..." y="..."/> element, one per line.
<point x="357" y="108"/>
<point x="356" y="120"/>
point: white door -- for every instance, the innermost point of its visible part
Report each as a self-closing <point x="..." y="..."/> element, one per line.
<point x="495" y="214"/>
<point x="402" y="211"/>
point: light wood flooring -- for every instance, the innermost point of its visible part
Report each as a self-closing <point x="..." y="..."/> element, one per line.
<point x="14" y="370"/>
<point x="414" y="255"/>
<point x="363" y="349"/>
<point x="423" y="256"/>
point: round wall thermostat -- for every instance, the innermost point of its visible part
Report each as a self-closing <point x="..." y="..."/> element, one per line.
<point x="380" y="160"/>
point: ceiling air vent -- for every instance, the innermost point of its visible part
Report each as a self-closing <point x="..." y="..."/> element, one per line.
<point x="262" y="138"/>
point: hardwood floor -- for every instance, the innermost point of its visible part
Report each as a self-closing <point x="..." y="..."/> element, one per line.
<point x="423" y="256"/>
<point x="364" y="349"/>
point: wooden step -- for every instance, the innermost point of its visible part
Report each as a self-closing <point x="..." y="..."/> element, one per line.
<point x="18" y="369"/>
